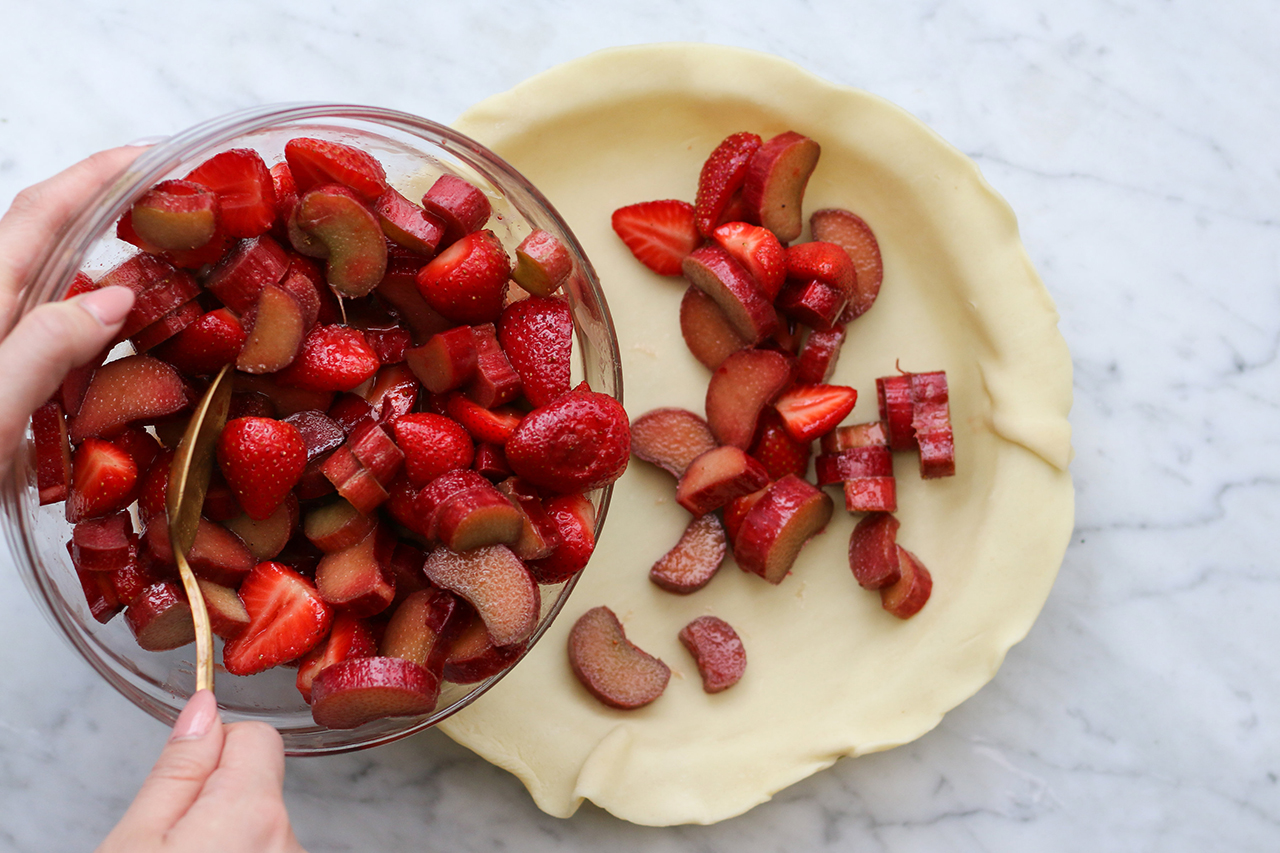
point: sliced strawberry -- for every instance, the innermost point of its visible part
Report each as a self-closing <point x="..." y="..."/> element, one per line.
<point x="332" y="358"/>
<point x="579" y="442"/>
<point x="537" y="336"/>
<point x="658" y="233"/>
<point x="854" y="235"/>
<point x="313" y="162"/>
<point x="811" y="411"/>
<point x="202" y="348"/>
<point x="350" y="637"/>
<point x="722" y="176"/>
<point x="246" y="193"/>
<point x="467" y="282"/>
<point x="287" y="618"/>
<point x="261" y="459"/>
<point x="758" y="251"/>
<point x="432" y="444"/>
<point x="492" y="425"/>
<point x="103" y="477"/>
<point x="776" y="450"/>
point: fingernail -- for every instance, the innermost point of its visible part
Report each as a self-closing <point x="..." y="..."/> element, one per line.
<point x="147" y="140"/>
<point x="109" y="305"/>
<point x="197" y="718"/>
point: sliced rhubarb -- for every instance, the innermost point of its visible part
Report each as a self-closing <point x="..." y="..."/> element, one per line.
<point x="611" y="667"/>
<point x="707" y="330"/>
<point x="912" y="589"/>
<point x="670" y="438"/>
<point x="694" y="560"/>
<point x="497" y="585"/>
<point x="787" y="515"/>
<point x="873" y="556"/>
<point x="717" y="650"/>
<point x="740" y="388"/>
<point x="717" y="477"/>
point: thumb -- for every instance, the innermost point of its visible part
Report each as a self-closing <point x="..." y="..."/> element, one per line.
<point x="179" y="774"/>
<point x="47" y="343"/>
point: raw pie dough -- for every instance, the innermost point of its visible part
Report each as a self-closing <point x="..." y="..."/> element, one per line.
<point x="829" y="672"/>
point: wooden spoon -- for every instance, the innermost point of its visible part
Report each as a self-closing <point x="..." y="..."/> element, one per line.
<point x="188" y="483"/>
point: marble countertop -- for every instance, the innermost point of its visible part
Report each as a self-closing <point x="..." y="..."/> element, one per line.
<point x="1135" y="140"/>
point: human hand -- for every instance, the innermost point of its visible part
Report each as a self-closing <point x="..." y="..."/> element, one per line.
<point x="214" y="788"/>
<point x="57" y="336"/>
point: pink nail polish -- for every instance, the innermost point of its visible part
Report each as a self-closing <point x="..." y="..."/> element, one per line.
<point x="197" y="718"/>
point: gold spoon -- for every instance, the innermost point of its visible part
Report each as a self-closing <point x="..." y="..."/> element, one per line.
<point x="188" y="483"/>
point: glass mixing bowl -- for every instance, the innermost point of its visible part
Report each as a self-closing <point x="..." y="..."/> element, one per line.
<point x="414" y="151"/>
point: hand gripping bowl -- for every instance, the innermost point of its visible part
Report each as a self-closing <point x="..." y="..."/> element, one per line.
<point x="414" y="151"/>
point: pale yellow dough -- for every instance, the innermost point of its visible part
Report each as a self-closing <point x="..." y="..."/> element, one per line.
<point x="829" y="672"/>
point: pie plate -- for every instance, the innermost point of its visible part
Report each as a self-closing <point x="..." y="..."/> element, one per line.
<point x="830" y="673"/>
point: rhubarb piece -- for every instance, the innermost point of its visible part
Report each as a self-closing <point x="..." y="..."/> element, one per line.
<point x="350" y="637"/>
<point x="175" y="215"/>
<point x="306" y="283"/>
<point x="717" y="477"/>
<point x="575" y="520"/>
<point x="740" y="388"/>
<point x="818" y="356"/>
<point x="495" y="381"/>
<point x="758" y="251"/>
<point x="446" y="361"/>
<point x="473" y="656"/>
<point x="275" y="328"/>
<point x="350" y="412"/>
<point x="542" y="263"/>
<point x="336" y="526"/>
<point x="539" y="535"/>
<point x="460" y="205"/>
<point x="670" y="438"/>
<point x="399" y="289"/>
<point x="491" y="462"/>
<point x="722" y="175"/>
<point x="825" y="262"/>
<point x="894" y="396"/>
<point x="373" y="448"/>
<point x="660" y="234"/>
<point x="227" y="617"/>
<point x="287" y="618"/>
<point x="217" y="554"/>
<point x="360" y="690"/>
<point x="714" y="271"/>
<point x="736" y="510"/>
<point x="775" y="449"/>
<point x="931" y="423"/>
<point x="408" y="225"/>
<point x="103" y="480"/>
<point x="314" y="162"/>
<point x="432" y="444"/>
<point x="496" y="583"/>
<point x="717" y="650"/>
<point x="912" y="589"/>
<point x="467" y="282"/>
<point x="811" y="411"/>
<point x="707" y="330"/>
<point x="420" y="629"/>
<point x="611" y="667"/>
<point x="851" y="233"/>
<point x="202" y="348"/>
<point x="167" y="326"/>
<point x="160" y="618"/>
<point x="332" y="358"/>
<point x="463" y="510"/>
<point x="536" y="334"/>
<point x="321" y="436"/>
<point x="52" y="452"/>
<point x="694" y="560"/>
<point x="355" y="248"/>
<point x="393" y="393"/>
<point x="873" y="556"/>
<point x="238" y="279"/>
<point x="787" y="515"/>
<point x="356" y="578"/>
<point x="265" y="538"/>
<point x="775" y="183"/>
<point x="99" y="594"/>
<point x="814" y="303"/>
<point x="579" y="442"/>
<point x="245" y="190"/>
<point x="155" y="304"/>
<point x="134" y="389"/>
<point x="105" y="544"/>
<point x="262" y="460"/>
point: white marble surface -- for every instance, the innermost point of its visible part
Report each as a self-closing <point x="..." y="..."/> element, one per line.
<point x="1136" y="141"/>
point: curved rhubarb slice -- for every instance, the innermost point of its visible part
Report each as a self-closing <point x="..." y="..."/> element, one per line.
<point x="740" y="388"/>
<point x="496" y="583"/>
<point x="714" y="271"/>
<point x="854" y="235"/>
<point x="706" y="330"/>
<point x="786" y="516"/>
<point x="360" y="690"/>
<point x="473" y="656"/>
<point x="695" y="559"/>
<point x="137" y="388"/>
<point x="610" y="667"/>
<point x="776" y="179"/>
<point x="670" y="438"/>
<point x="717" y="477"/>
<point x="717" y="650"/>
<point x="356" y="249"/>
<point x="176" y="215"/>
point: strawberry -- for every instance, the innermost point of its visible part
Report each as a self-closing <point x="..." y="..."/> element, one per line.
<point x="758" y="251"/>
<point x="432" y="444"/>
<point x="103" y="477"/>
<point x="467" y="282"/>
<point x="658" y="233"/>
<point x="246" y="193"/>
<point x="537" y="336"/>
<point x="313" y="162"/>
<point x="492" y="425"/>
<point x="826" y="262"/>
<point x="350" y="637"/>
<point x="722" y="175"/>
<point x="155" y="488"/>
<point x="287" y="619"/>
<point x="575" y="520"/>
<point x="812" y="411"/>
<point x="206" y="345"/>
<point x="579" y="442"/>
<point x="776" y="450"/>
<point x="332" y="358"/>
<point x="261" y="459"/>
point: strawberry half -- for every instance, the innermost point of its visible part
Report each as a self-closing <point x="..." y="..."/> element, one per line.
<point x="722" y="175"/>
<point x="537" y="336"/>
<point x="432" y="444"/>
<point x="758" y="251"/>
<point x="313" y="162"/>
<point x="206" y="345"/>
<point x="246" y="193"/>
<point x="658" y="233"/>
<point x="332" y="358"/>
<point x="103" y="476"/>
<point x="812" y="411"/>
<point x="262" y="460"/>
<point x="776" y="450"/>
<point x="287" y="619"/>
<point x="467" y="282"/>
